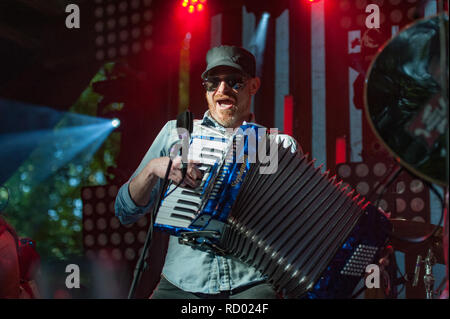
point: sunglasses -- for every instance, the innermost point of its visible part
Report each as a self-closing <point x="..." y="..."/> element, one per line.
<point x="236" y="82"/>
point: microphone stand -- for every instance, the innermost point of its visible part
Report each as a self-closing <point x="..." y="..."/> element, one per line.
<point x="184" y="120"/>
<point x="143" y="256"/>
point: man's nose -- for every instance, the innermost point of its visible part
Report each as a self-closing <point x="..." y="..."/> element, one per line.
<point x="223" y="87"/>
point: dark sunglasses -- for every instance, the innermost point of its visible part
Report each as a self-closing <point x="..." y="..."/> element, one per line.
<point x="236" y="82"/>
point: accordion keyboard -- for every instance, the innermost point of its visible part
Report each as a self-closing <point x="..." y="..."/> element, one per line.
<point x="181" y="205"/>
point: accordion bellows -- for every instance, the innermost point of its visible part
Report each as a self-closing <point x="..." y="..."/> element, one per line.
<point x="290" y="224"/>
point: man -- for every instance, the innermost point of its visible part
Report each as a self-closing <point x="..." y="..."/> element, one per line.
<point x="230" y="82"/>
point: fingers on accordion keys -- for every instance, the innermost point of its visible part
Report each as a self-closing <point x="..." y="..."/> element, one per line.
<point x="193" y="171"/>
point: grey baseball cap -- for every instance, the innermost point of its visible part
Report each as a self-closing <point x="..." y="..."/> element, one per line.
<point x="232" y="56"/>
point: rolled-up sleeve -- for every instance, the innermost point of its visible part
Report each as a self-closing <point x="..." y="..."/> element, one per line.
<point x="125" y="208"/>
<point x="289" y="141"/>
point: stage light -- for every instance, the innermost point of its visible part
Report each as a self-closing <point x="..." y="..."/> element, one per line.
<point x="115" y="123"/>
<point x="66" y="137"/>
<point x="257" y="43"/>
<point x="103" y="234"/>
<point x="115" y="22"/>
<point x="312" y="1"/>
<point x="194" y="5"/>
<point x="406" y="192"/>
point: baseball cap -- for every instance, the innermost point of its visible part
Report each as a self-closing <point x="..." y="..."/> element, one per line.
<point x="232" y="56"/>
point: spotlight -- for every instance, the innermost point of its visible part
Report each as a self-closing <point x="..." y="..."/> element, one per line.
<point x="193" y="5"/>
<point x="115" y="123"/>
<point x="116" y="23"/>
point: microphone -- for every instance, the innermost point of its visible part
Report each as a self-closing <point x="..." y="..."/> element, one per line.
<point x="185" y="121"/>
<point x="417" y="270"/>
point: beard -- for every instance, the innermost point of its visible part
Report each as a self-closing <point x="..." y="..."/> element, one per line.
<point x="228" y="111"/>
<point x="230" y="118"/>
<point x="227" y="118"/>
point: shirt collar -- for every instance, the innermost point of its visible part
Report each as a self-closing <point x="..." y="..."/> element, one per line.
<point x="209" y="121"/>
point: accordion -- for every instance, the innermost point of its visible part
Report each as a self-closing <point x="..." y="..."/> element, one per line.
<point x="308" y="233"/>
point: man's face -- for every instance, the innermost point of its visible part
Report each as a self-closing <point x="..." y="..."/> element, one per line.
<point x="230" y="106"/>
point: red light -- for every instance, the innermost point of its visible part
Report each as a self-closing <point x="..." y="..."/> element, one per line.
<point x="341" y="150"/>
<point x="194" y="5"/>
<point x="288" y="115"/>
<point x="312" y="1"/>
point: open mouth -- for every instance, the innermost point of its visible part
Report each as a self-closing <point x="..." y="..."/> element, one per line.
<point x="225" y="104"/>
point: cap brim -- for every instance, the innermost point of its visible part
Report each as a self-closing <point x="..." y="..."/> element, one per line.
<point x="222" y="63"/>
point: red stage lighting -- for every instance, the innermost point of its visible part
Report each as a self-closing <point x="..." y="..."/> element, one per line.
<point x="312" y="1"/>
<point x="194" y="5"/>
<point x="341" y="150"/>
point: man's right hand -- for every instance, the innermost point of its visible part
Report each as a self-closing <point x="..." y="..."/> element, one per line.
<point x="142" y="184"/>
<point x="193" y="174"/>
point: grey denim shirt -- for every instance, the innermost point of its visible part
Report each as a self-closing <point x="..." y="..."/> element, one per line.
<point x="189" y="269"/>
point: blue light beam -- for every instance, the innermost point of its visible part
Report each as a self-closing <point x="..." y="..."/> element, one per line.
<point x="75" y="139"/>
<point x="258" y="42"/>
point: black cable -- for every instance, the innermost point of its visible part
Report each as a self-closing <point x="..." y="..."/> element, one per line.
<point x="422" y="239"/>
<point x="175" y="187"/>
<point x="404" y="277"/>
<point x="391" y="177"/>
<point x="185" y="121"/>
<point x="140" y="264"/>
<point x="360" y="291"/>
<point x="394" y="281"/>
<point x="184" y="172"/>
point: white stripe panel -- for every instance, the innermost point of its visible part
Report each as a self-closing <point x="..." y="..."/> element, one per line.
<point x="319" y="143"/>
<point x="248" y="29"/>
<point x="435" y="204"/>
<point x="356" y="133"/>
<point x="354" y="37"/>
<point x="355" y="115"/>
<point x="281" y="67"/>
<point x="430" y="8"/>
<point x="248" y="32"/>
<point x="216" y="30"/>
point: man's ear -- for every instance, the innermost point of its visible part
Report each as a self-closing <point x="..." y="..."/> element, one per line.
<point x="255" y="83"/>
